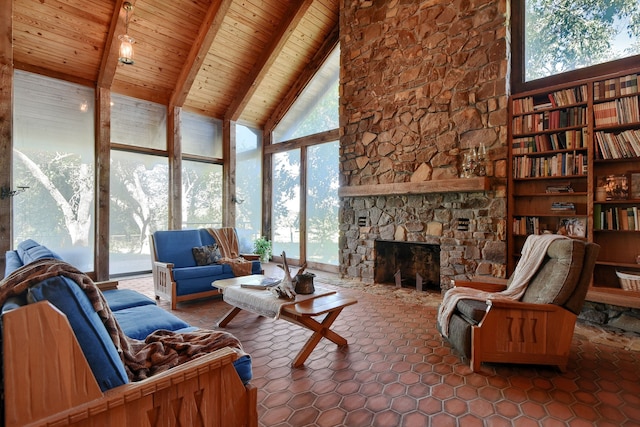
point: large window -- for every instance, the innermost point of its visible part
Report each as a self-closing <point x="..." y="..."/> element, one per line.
<point x="53" y="155"/>
<point x="305" y="172"/>
<point x="248" y="197"/>
<point x="201" y="171"/>
<point x="139" y="182"/>
<point x="561" y="36"/>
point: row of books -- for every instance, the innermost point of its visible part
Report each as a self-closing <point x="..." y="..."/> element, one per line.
<point x="567" y="140"/>
<point x="610" y="88"/>
<point x="558" y="98"/>
<point x="616" y="218"/>
<point x="555" y="119"/>
<point x="617" y="112"/>
<point x="625" y="144"/>
<point x="526" y="225"/>
<point x="561" y="164"/>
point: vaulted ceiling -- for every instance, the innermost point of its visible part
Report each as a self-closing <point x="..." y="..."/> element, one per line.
<point x="228" y="59"/>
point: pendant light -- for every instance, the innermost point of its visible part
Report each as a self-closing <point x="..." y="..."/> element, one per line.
<point x="126" y="42"/>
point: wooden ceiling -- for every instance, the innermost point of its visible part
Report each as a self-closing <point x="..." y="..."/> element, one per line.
<point x="228" y="59"/>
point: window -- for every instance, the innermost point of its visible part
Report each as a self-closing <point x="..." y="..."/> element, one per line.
<point x="305" y="173"/>
<point x="139" y="182"/>
<point x="560" y="36"/>
<point x="248" y="184"/>
<point x="201" y="135"/>
<point x="138" y="207"/>
<point x="54" y="156"/>
<point x="201" y="194"/>
<point x="316" y="110"/>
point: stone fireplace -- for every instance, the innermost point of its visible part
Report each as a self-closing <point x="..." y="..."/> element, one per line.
<point x="407" y="264"/>
<point x="422" y="83"/>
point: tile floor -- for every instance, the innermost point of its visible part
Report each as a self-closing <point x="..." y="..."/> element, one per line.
<point x="398" y="371"/>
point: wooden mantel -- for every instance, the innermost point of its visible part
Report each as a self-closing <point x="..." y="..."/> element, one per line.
<point x="424" y="187"/>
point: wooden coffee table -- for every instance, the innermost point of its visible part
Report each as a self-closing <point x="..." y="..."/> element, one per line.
<point x="301" y="311"/>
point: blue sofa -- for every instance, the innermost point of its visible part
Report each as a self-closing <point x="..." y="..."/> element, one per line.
<point x="176" y="275"/>
<point x="137" y="315"/>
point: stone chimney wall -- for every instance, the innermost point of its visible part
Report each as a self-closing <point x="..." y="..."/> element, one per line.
<point x="423" y="82"/>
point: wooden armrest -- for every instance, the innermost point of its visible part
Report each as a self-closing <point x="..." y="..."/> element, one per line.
<point x="107" y="285"/>
<point x="166" y="265"/>
<point x="523" y="306"/>
<point x="481" y="286"/>
<point x="251" y="257"/>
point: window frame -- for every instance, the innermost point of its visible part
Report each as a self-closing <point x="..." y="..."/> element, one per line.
<point x="518" y="83"/>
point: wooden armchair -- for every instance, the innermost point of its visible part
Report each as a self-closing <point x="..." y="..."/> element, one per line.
<point x="48" y="382"/>
<point x="537" y="329"/>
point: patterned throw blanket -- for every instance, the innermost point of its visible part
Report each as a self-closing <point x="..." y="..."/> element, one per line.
<point x="159" y="352"/>
<point x="227" y="241"/>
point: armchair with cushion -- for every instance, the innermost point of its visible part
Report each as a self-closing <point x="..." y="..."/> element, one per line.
<point x="534" y="329"/>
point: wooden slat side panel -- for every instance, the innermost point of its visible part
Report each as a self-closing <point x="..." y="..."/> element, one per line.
<point x="46" y="373"/>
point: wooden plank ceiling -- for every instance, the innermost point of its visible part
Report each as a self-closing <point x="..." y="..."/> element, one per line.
<point x="228" y="59"/>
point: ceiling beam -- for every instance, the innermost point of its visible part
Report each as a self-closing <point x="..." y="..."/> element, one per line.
<point x="329" y="44"/>
<point x="266" y="60"/>
<point x="109" y="61"/>
<point x="199" y="49"/>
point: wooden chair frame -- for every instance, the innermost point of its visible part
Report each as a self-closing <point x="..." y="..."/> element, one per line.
<point x="164" y="284"/>
<point x="519" y="332"/>
<point x="48" y="382"/>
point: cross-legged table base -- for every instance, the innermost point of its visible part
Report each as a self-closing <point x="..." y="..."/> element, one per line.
<point x="303" y="313"/>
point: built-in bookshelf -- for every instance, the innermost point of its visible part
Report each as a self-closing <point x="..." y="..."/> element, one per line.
<point x="575" y="169"/>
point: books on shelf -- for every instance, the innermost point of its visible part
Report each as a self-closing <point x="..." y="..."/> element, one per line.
<point x="628" y="84"/>
<point x="559" y="98"/>
<point x="563" y="207"/>
<point x="524" y="225"/>
<point x="561" y="164"/>
<point x="625" y="144"/>
<point x="549" y="120"/>
<point x="567" y="140"/>
<point x="617" y="112"/>
<point x="616" y="218"/>
<point x="561" y="187"/>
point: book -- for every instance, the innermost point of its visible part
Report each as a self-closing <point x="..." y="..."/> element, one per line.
<point x="266" y="283"/>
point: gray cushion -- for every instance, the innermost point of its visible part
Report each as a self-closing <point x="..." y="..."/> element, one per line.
<point x="472" y="309"/>
<point x="557" y="277"/>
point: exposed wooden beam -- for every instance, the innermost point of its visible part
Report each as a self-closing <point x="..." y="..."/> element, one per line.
<point x="6" y="123"/>
<point x="268" y="57"/>
<point x="53" y="74"/>
<point x="109" y="61"/>
<point x="330" y="43"/>
<point x="199" y="49"/>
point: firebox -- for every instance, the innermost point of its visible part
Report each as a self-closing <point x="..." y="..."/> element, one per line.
<point x="407" y="264"/>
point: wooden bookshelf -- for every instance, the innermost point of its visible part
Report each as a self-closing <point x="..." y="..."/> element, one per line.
<point x="574" y="153"/>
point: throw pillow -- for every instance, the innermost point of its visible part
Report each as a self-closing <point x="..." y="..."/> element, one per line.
<point x="205" y="255"/>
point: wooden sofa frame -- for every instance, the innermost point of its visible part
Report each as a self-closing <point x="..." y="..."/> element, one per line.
<point x="48" y="382"/>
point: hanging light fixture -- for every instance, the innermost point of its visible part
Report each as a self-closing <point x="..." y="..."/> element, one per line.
<point x="126" y="43"/>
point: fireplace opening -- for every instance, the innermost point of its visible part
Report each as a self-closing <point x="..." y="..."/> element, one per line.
<point x="407" y="264"/>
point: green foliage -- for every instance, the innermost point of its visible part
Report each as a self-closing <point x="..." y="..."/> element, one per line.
<point x="564" y="35"/>
<point x="262" y="247"/>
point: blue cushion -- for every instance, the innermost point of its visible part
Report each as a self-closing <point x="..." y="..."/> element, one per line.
<point x="92" y="336"/>
<point x="201" y="271"/>
<point x="139" y="322"/>
<point x="199" y="284"/>
<point x="30" y="251"/>
<point x="243" y="367"/>
<point x="119" y="299"/>
<point x="175" y="246"/>
<point x="12" y="262"/>
<point x="206" y="237"/>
